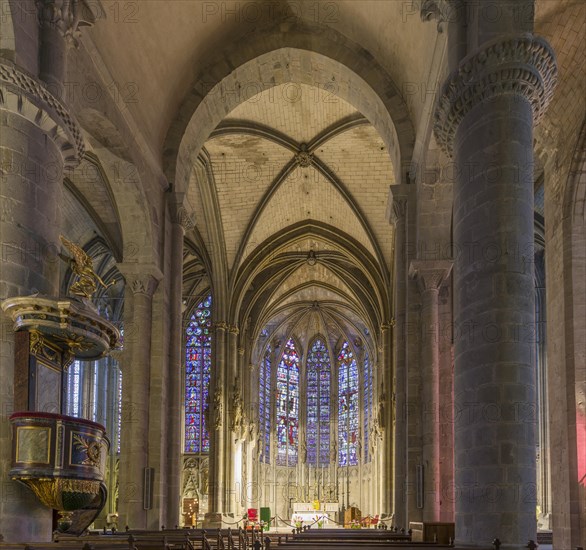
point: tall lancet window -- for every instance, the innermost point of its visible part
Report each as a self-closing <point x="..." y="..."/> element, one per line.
<point x="318" y="404"/>
<point x="367" y="403"/>
<point x="288" y="406"/>
<point x="264" y="407"/>
<point x="198" y="366"/>
<point x="348" y="407"/>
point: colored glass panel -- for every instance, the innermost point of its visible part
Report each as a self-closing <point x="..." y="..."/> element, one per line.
<point x="288" y="406"/>
<point x="348" y="417"/>
<point x="265" y="406"/>
<point x="198" y="367"/>
<point x="318" y="404"/>
<point x="367" y="404"/>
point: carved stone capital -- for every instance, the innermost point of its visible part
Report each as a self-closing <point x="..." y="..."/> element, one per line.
<point x="397" y="203"/>
<point x="241" y="352"/>
<point x="520" y="65"/>
<point x="233" y="329"/>
<point x="68" y="16"/>
<point x="26" y="96"/>
<point x="185" y="219"/>
<point x="144" y="285"/>
<point x="141" y="278"/>
<point x="386" y="325"/>
<point x="221" y="325"/>
<point x="440" y="10"/>
<point x="430" y="274"/>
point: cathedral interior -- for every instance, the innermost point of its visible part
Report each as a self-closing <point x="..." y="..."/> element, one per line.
<point x="294" y="256"/>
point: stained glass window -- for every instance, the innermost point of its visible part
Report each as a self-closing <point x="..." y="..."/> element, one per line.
<point x="318" y="404"/>
<point x="264" y="412"/>
<point x="367" y="403"/>
<point x="348" y="407"/>
<point x="288" y="406"/>
<point x="198" y="363"/>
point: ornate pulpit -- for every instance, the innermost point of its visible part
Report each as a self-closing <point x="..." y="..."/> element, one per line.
<point x="62" y="459"/>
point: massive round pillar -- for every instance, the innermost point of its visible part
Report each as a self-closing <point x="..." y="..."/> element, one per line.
<point x="485" y="120"/>
<point x="38" y="138"/>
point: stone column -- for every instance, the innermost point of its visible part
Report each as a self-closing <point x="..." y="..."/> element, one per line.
<point x="398" y="217"/>
<point x="485" y="120"/>
<point x="234" y="406"/>
<point x="430" y="275"/>
<point x="59" y="21"/>
<point x="181" y="222"/>
<point x="141" y="283"/>
<point x="543" y="466"/>
<point x="386" y="419"/>
<point x="214" y="424"/>
<point x="38" y="139"/>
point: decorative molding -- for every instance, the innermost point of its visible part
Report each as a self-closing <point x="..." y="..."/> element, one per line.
<point x="26" y="96"/>
<point x="521" y="65"/>
<point x="233" y="329"/>
<point x="221" y="325"/>
<point x="241" y="352"/>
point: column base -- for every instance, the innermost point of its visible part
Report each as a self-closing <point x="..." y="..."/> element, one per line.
<point x="212" y="520"/>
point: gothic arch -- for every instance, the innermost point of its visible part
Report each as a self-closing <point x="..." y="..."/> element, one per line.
<point x="263" y="61"/>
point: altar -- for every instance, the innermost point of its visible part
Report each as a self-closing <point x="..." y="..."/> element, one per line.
<point x="308" y="512"/>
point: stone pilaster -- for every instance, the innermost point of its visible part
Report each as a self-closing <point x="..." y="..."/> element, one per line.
<point x="485" y="120"/>
<point x="398" y="196"/>
<point x="234" y="427"/>
<point x="215" y="420"/>
<point x="37" y="140"/>
<point x="430" y="274"/>
<point x="386" y="419"/>
<point x="141" y="283"/>
<point x="181" y="222"/>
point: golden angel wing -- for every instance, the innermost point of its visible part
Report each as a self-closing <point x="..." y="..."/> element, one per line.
<point x="82" y="260"/>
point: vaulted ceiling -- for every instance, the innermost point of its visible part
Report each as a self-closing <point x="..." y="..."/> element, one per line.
<point x="290" y="195"/>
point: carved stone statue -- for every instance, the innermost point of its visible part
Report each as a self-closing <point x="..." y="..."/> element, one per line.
<point x="237" y="408"/>
<point x="333" y="452"/>
<point x="303" y="451"/>
<point x="381" y="407"/>
<point x="217" y="408"/>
